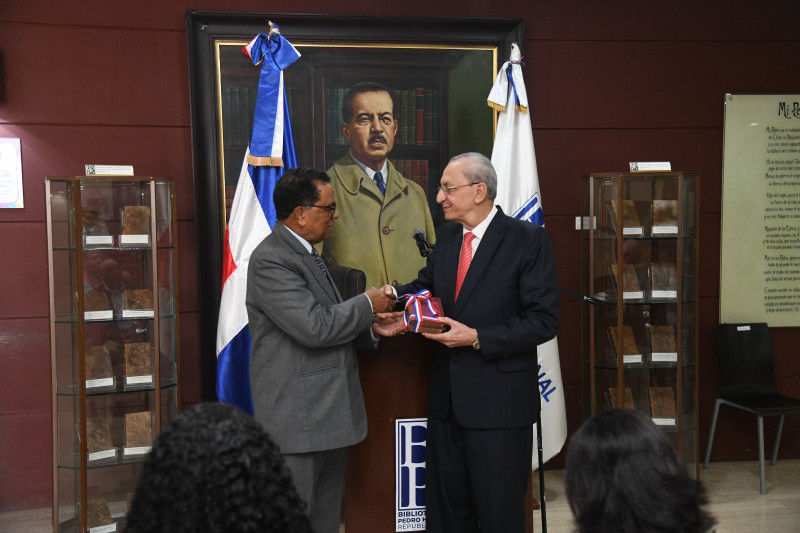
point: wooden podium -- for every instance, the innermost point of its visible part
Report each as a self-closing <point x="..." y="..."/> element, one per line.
<point x="395" y="381"/>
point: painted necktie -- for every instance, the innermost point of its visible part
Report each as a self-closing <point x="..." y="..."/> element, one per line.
<point x="378" y="179"/>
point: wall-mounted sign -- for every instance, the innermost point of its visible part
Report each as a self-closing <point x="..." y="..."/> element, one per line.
<point x="760" y="251"/>
<point x="11" y="174"/>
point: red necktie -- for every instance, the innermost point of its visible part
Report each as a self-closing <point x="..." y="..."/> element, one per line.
<point x="464" y="261"/>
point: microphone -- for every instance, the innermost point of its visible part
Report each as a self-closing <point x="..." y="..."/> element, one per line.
<point x="422" y="244"/>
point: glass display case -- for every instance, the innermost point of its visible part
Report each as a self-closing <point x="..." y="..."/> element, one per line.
<point x="113" y="338"/>
<point x="639" y="281"/>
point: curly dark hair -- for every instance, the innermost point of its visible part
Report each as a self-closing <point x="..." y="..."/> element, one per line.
<point x="215" y="469"/>
<point x="623" y="475"/>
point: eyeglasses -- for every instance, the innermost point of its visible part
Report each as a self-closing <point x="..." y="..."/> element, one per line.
<point x="330" y="208"/>
<point x="447" y="189"/>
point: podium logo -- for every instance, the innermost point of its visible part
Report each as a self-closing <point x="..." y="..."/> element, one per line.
<point x="410" y="439"/>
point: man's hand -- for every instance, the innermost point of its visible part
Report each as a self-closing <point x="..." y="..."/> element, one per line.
<point x="388" y="324"/>
<point x="458" y="335"/>
<point x="382" y="299"/>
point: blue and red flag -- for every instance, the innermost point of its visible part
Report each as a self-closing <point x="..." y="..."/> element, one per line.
<point x="271" y="150"/>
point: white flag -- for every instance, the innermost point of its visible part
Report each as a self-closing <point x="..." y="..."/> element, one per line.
<point x="518" y="195"/>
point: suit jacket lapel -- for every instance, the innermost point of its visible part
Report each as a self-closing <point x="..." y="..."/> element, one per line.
<point x="308" y="261"/>
<point x="491" y="240"/>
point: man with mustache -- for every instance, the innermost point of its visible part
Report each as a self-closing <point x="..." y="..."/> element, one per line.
<point x="379" y="208"/>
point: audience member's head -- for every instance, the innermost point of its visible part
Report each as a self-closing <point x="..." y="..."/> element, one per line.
<point x="215" y="469"/>
<point x="623" y="474"/>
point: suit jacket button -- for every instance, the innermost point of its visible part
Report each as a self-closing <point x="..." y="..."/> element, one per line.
<point x="386" y="230"/>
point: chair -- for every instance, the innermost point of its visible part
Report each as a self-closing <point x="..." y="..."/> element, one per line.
<point x="349" y="281"/>
<point x="747" y="381"/>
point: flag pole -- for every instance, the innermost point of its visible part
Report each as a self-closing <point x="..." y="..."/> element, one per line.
<point x="541" y="470"/>
<point x="514" y="159"/>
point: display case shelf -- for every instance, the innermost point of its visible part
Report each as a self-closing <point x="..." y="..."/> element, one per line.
<point x="639" y="317"/>
<point x="113" y="338"/>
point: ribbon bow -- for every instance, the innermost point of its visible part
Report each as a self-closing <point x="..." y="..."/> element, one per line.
<point x="419" y="308"/>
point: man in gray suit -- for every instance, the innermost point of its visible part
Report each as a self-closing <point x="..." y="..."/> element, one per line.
<point x="303" y="367"/>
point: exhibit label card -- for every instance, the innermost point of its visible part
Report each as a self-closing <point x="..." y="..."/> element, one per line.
<point x="109" y="170"/>
<point x="649" y="166"/>
<point x="760" y="249"/>
<point x="109" y="528"/>
<point x="11" y="173"/>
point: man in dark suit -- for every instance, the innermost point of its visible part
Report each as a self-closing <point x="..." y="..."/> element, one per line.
<point x="496" y="278"/>
<point x="303" y="367"/>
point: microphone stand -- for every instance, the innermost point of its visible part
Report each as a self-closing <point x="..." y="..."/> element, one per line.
<point x="541" y="469"/>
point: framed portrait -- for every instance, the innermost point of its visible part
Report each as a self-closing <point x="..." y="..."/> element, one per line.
<point x="439" y="73"/>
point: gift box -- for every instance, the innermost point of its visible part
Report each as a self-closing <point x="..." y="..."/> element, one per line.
<point x="422" y="312"/>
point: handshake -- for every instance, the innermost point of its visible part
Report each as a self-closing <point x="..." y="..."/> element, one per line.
<point x="387" y="323"/>
<point x="382" y="299"/>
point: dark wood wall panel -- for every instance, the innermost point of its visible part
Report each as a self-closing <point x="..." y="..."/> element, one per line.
<point x="23" y="272"/>
<point x="107" y="82"/>
<point x="79" y="75"/>
<point x="26" y="460"/>
<point x="25" y="366"/>
<point x="709" y="235"/>
<point x="708" y="318"/>
<point x="187" y="269"/>
<point x="63" y="150"/>
<point x="741" y="20"/>
<point x="627" y="84"/>
<point x="680" y="20"/>
<point x="190" y="360"/>
<point x="565" y="155"/>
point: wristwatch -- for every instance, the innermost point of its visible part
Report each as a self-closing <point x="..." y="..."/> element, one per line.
<point x="477" y="344"/>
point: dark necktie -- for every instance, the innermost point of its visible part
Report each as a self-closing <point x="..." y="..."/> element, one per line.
<point x="378" y="179"/>
<point x="321" y="265"/>
<point x="464" y="261"/>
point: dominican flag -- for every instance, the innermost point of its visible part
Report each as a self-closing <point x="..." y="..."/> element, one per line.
<point x="271" y="150"/>
<point x="514" y="160"/>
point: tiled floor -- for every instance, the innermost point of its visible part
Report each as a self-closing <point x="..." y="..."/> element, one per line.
<point x="732" y="487"/>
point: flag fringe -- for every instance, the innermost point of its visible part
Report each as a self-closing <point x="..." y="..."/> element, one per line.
<point x="496" y="106"/>
<point x="260" y="161"/>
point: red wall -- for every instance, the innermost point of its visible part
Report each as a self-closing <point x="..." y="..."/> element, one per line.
<point x="107" y="82"/>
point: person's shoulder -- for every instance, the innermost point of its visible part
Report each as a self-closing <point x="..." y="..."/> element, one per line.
<point x="522" y="228"/>
<point x="449" y="228"/>
<point x="267" y="244"/>
<point x="274" y="243"/>
<point x="524" y="225"/>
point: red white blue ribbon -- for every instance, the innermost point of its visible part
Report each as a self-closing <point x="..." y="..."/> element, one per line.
<point x="420" y="309"/>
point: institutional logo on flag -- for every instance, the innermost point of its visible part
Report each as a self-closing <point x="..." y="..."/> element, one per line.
<point x="514" y="160"/>
<point x="531" y="210"/>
